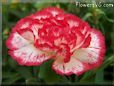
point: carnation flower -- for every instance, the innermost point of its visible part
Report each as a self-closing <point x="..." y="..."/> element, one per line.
<point x="51" y="33"/>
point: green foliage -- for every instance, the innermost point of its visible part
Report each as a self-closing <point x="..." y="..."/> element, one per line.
<point x="100" y="18"/>
<point x="46" y="73"/>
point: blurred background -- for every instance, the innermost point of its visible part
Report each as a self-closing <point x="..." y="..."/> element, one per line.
<point x="101" y="18"/>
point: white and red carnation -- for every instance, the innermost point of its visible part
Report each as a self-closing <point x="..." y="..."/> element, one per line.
<point x="53" y="34"/>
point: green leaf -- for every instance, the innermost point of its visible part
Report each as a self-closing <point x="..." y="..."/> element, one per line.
<point x="17" y="13"/>
<point x="12" y="79"/>
<point x="48" y="74"/>
<point x="99" y="11"/>
<point x="8" y="75"/>
<point x="12" y="63"/>
<point x="107" y="62"/>
<point x="31" y="81"/>
<point x="99" y="78"/>
<point x="36" y="70"/>
<point x="40" y="5"/>
<point x="25" y="72"/>
<point x="87" y="15"/>
<point x="86" y="76"/>
<point x="103" y="13"/>
<point x="102" y="28"/>
<point x="110" y="20"/>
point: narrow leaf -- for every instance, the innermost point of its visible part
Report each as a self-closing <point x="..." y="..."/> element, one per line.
<point x="99" y="78"/>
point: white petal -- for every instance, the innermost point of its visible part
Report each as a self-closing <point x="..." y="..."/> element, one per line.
<point x="16" y="41"/>
<point x="29" y="55"/>
<point x="74" y="66"/>
<point x="95" y="51"/>
<point x="89" y="55"/>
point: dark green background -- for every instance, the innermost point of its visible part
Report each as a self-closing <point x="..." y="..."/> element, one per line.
<point x="101" y="18"/>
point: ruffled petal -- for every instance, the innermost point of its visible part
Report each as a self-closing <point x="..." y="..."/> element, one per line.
<point x="27" y="34"/>
<point x="74" y="66"/>
<point x="88" y="55"/>
<point x="79" y="40"/>
<point x="24" y="51"/>
<point x="97" y="39"/>
<point x="41" y="15"/>
<point x="72" y="20"/>
<point x="28" y="55"/>
<point x="16" y="41"/>
<point x="53" y="10"/>
<point x="94" y="53"/>
<point x="22" y="24"/>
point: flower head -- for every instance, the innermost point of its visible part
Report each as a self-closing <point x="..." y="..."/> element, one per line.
<point x="53" y="34"/>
